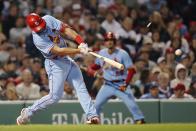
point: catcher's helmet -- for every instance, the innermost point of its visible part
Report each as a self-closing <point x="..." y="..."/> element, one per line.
<point x="35" y="22"/>
<point x="110" y="36"/>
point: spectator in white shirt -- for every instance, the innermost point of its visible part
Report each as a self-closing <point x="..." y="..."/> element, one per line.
<point x="110" y="24"/>
<point x="17" y="34"/>
<point x="27" y="90"/>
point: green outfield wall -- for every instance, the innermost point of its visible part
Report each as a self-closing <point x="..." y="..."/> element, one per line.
<point x="114" y="112"/>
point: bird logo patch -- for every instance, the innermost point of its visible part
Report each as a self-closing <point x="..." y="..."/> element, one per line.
<point x="54" y="39"/>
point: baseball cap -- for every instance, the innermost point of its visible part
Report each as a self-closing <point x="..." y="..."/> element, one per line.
<point x="184" y="56"/>
<point x="160" y="59"/>
<point x="3" y="76"/>
<point x="153" y="84"/>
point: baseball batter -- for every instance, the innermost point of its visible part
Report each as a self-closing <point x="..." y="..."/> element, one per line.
<point x="116" y="81"/>
<point x="48" y="34"/>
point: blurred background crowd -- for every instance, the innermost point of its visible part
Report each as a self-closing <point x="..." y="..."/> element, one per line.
<point x="159" y="36"/>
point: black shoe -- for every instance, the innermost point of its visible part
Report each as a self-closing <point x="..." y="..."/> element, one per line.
<point x="140" y="121"/>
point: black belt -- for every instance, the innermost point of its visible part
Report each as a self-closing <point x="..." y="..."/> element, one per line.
<point x="55" y="57"/>
<point x="122" y="80"/>
<point x="114" y="81"/>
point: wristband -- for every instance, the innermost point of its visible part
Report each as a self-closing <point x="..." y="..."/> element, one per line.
<point x="79" y="39"/>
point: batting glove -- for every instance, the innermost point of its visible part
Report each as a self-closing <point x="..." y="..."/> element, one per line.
<point x="83" y="48"/>
<point x="122" y="88"/>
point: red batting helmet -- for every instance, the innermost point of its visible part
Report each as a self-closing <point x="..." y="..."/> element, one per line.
<point x="35" y="22"/>
<point x="110" y="36"/>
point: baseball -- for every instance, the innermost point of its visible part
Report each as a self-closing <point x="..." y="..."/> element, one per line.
<point x="178" y="52"/>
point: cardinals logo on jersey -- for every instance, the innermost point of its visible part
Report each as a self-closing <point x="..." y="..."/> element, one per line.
<point x="54" y="39"/>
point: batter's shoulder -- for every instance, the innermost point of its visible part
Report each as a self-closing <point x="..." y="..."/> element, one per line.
<point x="122" y="51"/>
<point x="47" y="17"/>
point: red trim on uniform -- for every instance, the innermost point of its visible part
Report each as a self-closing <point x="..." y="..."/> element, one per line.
<point x="95" y="67"/>
<point x="130" y="74"/>
<point x="79" y="39"/>
<point x="91" y="71"/>
<point x="63" y="27"/>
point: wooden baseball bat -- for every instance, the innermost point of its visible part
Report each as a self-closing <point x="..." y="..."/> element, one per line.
<point x="109" y="61"/>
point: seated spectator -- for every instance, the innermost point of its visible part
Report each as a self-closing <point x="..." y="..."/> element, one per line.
<point x="161" y="62"/>
<point x="107" y="3"/>
<point x="193" y="71"/>
<point x="153" y="92"/>
<point x="94" y="32"/>
<point x="10" y="19"/>
<point x="170" y="57"/>
<point x="25" y="63"/>
<point x="3" y="81"/>
<point x="163" y="81"/>
<point x="158" y="46"/>
<point x="144" y="78"/>
<point x="17" y="34"/>
<point x="192" y="90"/>
<point x="178" y="42"/>
<point x="27" y="90"/>
<point x="193" y="46"/>
<point x="144" y="53"/>
<point x="127" y="34"/>
<point x="11" y="91"/>
<point x="157" y="24"/>
<point x="180" y="25"/>
<point x="69" y="93"/>
<point x="102" y="10"/>
<point x="85" y="19"/>
<point x="110" y="24"/>
<point x="58" y="12"/>
<point x="179" y="92"/>
<point x="35" y="69"/>
<point x="10" y="68"/>
<point x="44" y="87"/>
<point x="154" y="5"/>
<point x="154" y="73"/>
<point x="185" y="60"/>
<point x="166" y="13"/>
<point x="181" y="76"/>
<point x="4" y="46"/>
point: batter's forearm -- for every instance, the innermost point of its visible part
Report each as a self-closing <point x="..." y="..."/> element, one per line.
<point x="75" y="36"/>
<point x="68" y="51"/>
<point x="64" y="51"/>
<point x="68" y="31"/>
<point x="71" y="33"/>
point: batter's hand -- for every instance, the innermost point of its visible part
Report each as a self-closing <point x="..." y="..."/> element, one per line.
<point x="83" y="48"/>
<point x="123" y="88"/>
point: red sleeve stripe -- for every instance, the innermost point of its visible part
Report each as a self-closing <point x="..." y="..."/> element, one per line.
<point x="95" y="67"/>
<point x="91" y="71"/>
<point x="130" y="75"/>
<point x="63" y="27"/>
<point x="79" y="39"/>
